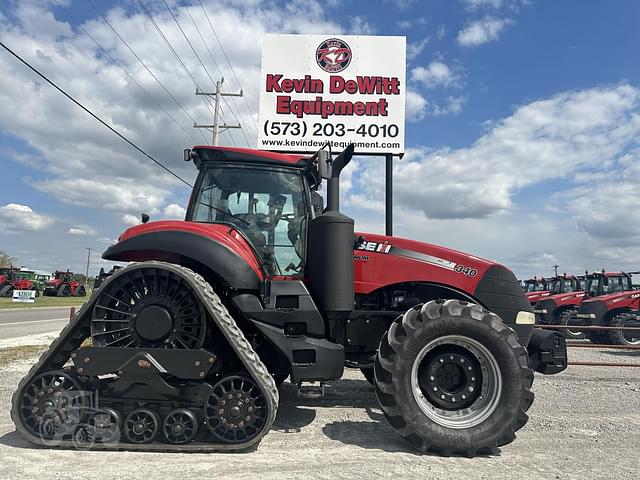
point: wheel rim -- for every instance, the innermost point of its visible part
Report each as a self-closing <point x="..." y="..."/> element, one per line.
<point x="52" y="400"/>
<point x="568" y="319"/>
<point x="148" y="307"/>
<point x="630" y="337"/>
<point x="106" y="423"/>
<point x="456" y="381"/>
<point x="180" y="426"/>
<point x="236" y="410"/>
<point x="141" y="426"/>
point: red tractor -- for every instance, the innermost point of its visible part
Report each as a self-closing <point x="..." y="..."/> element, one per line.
<point x="536" y="288"/>
<point x="561" y="305"/>
<point x="63" y="285"/>
<point x="11" y="279"/>
<point x="612" y="302"/>
<point x="263" y="281"/>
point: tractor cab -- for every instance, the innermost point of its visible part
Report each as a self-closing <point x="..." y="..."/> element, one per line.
<point x="536" y="284"/>
<point x="567" y="284"/>
<point x="605" y="283"/>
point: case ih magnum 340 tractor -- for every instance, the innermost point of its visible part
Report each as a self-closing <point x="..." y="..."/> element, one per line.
<point x="261" y="283"/>
<point x="611" y="301"/>
<point x="536" y="288"/>
<point x="12" y="279"/>
<point x="63" y="285"/>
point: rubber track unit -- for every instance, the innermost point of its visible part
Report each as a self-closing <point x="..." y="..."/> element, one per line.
<point x="78" y="329"/>
<point x="392" y="343"/>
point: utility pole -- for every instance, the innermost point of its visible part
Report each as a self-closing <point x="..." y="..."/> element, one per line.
<point x="217" y="95"/>
<point x="555" y="268"/>
<point x="86" y="277"/>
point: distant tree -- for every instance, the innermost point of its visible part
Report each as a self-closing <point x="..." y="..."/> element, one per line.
<point x="6" y="259"/>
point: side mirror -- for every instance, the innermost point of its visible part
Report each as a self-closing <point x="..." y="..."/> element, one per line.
<point x="323" y="158"/>
<point x="144" y="217"/>
<point x="186" y="155"/>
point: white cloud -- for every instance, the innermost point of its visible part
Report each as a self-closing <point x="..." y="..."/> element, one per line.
<point x="360" y="26"/>
<point x="482" y="31"/>
<point x="415" y="48"/>
<point x="131" y="220"/>
<point x="484" y="3"/>
<point x="452" y="106"/>
<point x="106" y="240"/>
<point x="174" y="211"/>
<point x="17" y="217"/>
<point x="436" y="74"/>
<point x="416" y="106"/>
<point x="542" y="140"/>
<point x="81" y="230"/>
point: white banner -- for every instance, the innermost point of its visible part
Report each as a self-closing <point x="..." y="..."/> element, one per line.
<point x="342" y="89"/>
<point x="24" y="296"/>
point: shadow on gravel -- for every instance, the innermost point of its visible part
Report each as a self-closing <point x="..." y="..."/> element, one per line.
<point x="291" y="418"/>
<point x="622" y="353"/>
<point x="13" y="439"/>
<point x="370" y="435"/>
<point x="341" y="393"/>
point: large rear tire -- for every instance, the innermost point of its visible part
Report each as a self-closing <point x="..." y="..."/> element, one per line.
<point x="625" y="337"/>
<point x="451" y="378"/>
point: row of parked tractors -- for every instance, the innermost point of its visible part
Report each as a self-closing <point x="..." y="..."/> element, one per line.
<point x="600" y="299"/>
<point x="61" y="285"/>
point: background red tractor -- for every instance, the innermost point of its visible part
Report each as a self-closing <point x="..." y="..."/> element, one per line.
<point x="63" y="285"/>
<point x="536" y="288"/>
<point x="612" y="302"/>
<point x="561" y="305"/>
<point x="12" y="278"/>
<point x="261" y="282"/>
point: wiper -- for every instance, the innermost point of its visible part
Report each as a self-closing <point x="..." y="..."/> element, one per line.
<point x="219" y="210"/>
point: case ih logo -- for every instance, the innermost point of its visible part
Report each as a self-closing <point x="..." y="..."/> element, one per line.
<point x="333" y="55"/>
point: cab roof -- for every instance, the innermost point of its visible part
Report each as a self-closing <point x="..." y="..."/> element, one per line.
<point x="234" y="154"/>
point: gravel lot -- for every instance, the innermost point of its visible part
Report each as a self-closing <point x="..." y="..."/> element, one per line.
<point x="584" y="424"/>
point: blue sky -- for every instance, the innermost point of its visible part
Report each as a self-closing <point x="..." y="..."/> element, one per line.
<point x="522" y="131"/>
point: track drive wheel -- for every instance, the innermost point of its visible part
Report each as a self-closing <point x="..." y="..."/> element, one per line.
<point x="568" y="318"/>
<point x="625" y="337"/>
<point x="451" y="378"/>
<point x="236" y="410"/>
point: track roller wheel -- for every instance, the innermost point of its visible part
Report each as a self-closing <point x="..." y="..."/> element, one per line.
<point x="53" y="399"/>
<point x="624" y="337"/>
<point x="141" y="426"/>
<point x="236" y="410"/>
<point x="107" y="424"/>
<point x="452" y="379"/>
<point x="84" y="436"/>
<point x="180" y="426"/>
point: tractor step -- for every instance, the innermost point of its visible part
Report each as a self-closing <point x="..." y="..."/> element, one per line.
<point x="312" y="391"/>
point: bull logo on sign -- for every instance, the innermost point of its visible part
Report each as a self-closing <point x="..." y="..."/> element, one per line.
<point x="333" y="55"/>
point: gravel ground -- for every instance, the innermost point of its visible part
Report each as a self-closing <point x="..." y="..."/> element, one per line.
<point x="584" y="424"/>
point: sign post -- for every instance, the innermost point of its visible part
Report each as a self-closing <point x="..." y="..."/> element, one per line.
<point x="319" y="89"/>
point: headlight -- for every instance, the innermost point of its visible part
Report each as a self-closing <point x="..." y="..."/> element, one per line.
<point x="525" y="318"/>
<point x="591" y="316"/>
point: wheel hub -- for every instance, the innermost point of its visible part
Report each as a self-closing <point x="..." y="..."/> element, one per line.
<point x="153" y="323"/>
<point x="450" y="379"/>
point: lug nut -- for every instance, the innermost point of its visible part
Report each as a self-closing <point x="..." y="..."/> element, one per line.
<point x="470" y="389"/>
<point x="201" y="374"/>
<point x="86" y="360"/>
<point x="212" y="359"/>
<point x="197" y="364"/>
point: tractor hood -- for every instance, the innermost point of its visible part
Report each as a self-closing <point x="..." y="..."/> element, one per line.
<point x="612" y="300"/>
<point x="570" y="298"/>
<point x="534" y="297"/>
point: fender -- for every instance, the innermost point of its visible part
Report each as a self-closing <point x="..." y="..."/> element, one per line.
<point x="188" y="248"/>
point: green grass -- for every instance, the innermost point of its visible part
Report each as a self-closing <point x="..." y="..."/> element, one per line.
<point x="9" y="355"/>
<point x="43" y="301"/>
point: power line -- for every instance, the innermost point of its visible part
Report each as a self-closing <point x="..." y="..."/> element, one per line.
<point x="218" y="67"/>
<point x="201" y="63"/>
<point x="224" y="53"/>
<point x="172" y="50"/>
<point x="110" y="58"/>
<point x="141" y="62"/>
<point x="50" y="82"/>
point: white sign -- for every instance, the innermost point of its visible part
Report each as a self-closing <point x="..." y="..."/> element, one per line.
<point x="337" y="88"/>
<point x="25" y="296"/>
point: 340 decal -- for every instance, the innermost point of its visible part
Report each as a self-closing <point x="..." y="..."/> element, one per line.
<point x="471" y="272"/>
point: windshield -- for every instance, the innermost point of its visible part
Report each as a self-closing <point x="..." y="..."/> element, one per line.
<point x="267" y="205"/>
<point x="620" y="283"/>
<point x="534" y="286"/>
